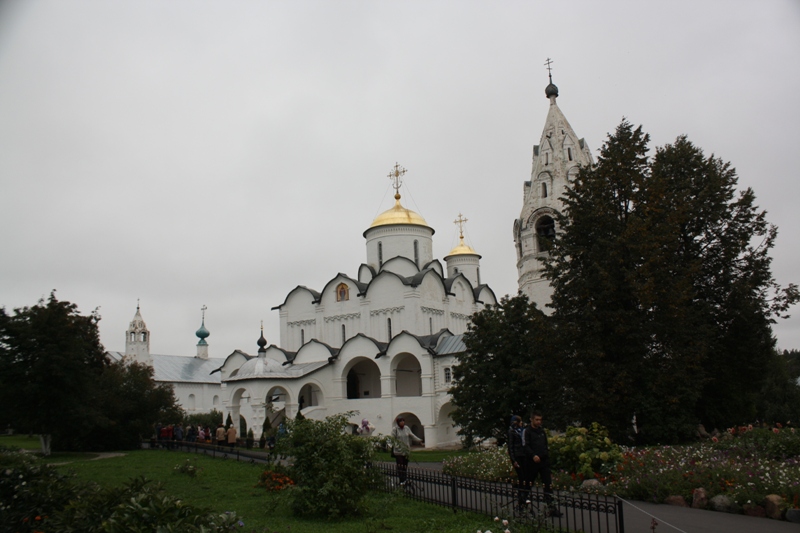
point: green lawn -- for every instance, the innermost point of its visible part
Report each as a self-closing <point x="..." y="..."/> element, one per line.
<point x="20" y="441"/>
<point x="225" y="485"/>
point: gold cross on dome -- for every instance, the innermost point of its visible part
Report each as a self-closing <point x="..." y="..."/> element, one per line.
<point x="460" y="223"/>
<point x="549" y="70"/>
<point x="396" y="175"/>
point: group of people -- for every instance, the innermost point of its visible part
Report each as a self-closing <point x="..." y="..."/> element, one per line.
<point x="527" y="449"/>
<point x="171" y="434"/>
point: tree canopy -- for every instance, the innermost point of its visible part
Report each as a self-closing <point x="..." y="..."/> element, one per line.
<point x="56" y="381"/>
<point x="663" y="296"/>
<point x="497" y="376"/>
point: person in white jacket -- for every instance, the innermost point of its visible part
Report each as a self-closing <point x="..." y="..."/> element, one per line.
<point x="401" y="446"/>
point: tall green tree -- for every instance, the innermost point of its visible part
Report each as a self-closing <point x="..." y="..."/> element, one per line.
<point x="498" y="374"/>
<point x="663" y="293"/>
<point x="56" y="381"/>
<point x="132" y="403"/>
<point x="50" y="360"/>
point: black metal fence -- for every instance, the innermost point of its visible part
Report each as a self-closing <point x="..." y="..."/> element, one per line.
<point x="566" y="511"/>
<point x="237" y="453"/>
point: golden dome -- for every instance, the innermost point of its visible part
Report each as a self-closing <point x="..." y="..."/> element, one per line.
<point x="462" y="249"/>
<point x="398" y="215"/>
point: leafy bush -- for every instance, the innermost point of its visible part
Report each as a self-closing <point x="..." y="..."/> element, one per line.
<point x="211" y="419"/>
<point x="137" y="506"/>
<point x="584" y="451"/>
<point x="30" y="492"/>
<point x="188" y="468"/>
<point x="329" y="466"/>
<point x="491" y="464"/>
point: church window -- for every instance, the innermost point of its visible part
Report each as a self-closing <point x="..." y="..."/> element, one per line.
<point x="544" y="190"/>
<point x="569" y="153"/>
<point x="380" y="254"/>
<point x="479" y="275"/>
<point x="430" y="324"/>
<point x="389" y="327"/>
<point x="144" y="336"/>
<point x="215" y="401"/>
<point x="344" y="333"/>
<point x="342" y="292"/>
<point x="302" y="337"/>
<point x="455" y="270"/>
<point x="447" y="375"/>
<point x="133" y="337"/>
<point x="416" y="253"/>
<point x="547" y="158"/>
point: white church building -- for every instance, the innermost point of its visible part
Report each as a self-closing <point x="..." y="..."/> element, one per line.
<point x="384" y="342"/>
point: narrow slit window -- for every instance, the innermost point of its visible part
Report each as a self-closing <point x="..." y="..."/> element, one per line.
<point x="344" y="333"/>
<point x="302" y="337"/>
<point x="380" y="254"/>
<point x="544" y="190"/>
<point x="416" y="253"/>
<point x="389" y="327"/>
<point x="569" y="154"/>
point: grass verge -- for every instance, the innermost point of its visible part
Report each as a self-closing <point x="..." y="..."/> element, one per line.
<point x="225" y="485"/>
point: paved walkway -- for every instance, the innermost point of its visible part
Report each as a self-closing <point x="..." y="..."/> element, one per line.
<point x="673" y="519"/>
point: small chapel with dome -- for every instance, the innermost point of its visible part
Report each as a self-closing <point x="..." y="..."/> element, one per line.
<point x="382" y="343"/>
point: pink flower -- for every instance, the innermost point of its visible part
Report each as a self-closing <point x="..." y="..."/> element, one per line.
<point x="714" y="439"/>
<point x="776" y="430"/>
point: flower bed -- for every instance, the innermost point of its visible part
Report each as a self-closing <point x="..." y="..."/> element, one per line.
<point x="745" y="464"/>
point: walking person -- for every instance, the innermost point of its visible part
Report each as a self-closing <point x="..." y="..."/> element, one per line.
<point x="220" y="435"/>
<point x="535" y="442"/>
<point x="519" y="460"/>
<point x="231" y="437"/>
<point x="401" y="447"/>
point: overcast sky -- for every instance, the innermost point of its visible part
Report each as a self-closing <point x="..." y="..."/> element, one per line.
<point x="193" y="153"/>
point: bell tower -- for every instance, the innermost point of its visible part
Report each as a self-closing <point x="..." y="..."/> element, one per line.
<point x="137" y="340"/>
<point x="556" y="161"/>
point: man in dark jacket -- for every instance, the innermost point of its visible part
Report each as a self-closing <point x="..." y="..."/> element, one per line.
<point x="535" y="440"/>
<point x="519" y="460"/>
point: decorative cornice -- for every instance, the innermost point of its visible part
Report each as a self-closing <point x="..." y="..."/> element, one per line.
<point x="302" y="322"/>
<point x="432" y="311"/>
<point x="342" y="317"/>
<point x="386" y="310"/>
<point x="459" y="315"/>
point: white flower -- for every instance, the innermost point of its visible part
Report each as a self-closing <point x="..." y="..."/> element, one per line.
<point x="496" y="518"/>
<point x="505" y="522"/>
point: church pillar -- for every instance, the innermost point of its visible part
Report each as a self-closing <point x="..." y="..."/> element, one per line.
<point x="291" y="410"/>
<point x="431" y="436"/>
<point x="338" y="389"/>
<point x="387" y="386"/>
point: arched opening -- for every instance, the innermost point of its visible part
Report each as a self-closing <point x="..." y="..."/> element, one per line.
<point x="242" y="427"/>
<point x="144" y="336"/>
<point x="275" y="402"/>
<point x="545" y="231"/>
<point x="413" y="423"/>
<point x="215" y="401"/>
<point x="363" y="379"/>
<point x="191" y="403"/>
<point x="310" y="396"/>
<point x="408" y="376"/>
